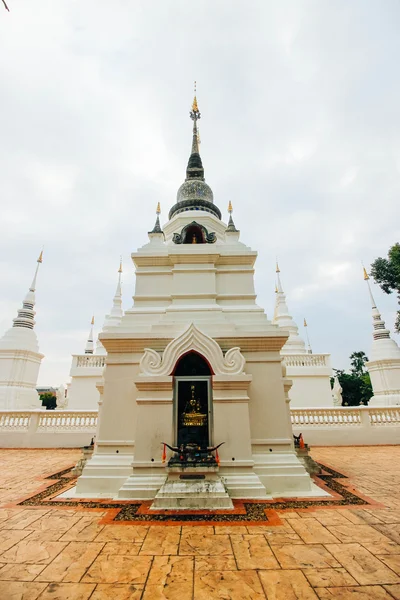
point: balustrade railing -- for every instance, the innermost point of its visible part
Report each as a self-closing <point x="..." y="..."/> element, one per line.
<point x="67" y="421"/>
<point x="306" y="360"/>
<point x="15" y="421"/>
<point x="326" y="416"/>
<point x="90" y="360"/>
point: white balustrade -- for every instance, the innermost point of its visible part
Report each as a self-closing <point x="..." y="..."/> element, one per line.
<point x="90" y="360"/>
<point x="15" y="420"/>
<point x="326" y="416"/>
<point x="306" y="360"/>
<point x="320" y="426"/>
<point x="389" y="415"/>
<point x="68" y="420"/>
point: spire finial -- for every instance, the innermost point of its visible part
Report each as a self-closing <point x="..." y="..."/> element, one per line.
<point x="120" y="265"/>
<point x="231" y="224"/>
<point x="40" y="259"/>
<point x="308" y="339"/>
<point x="230" y="208"/>
<point x="366" y="276"/>
<point x="277" y="270"/>
<point x="195" y="107"/>
<point x="92" y="321"/>
<point x="157" y="226"/>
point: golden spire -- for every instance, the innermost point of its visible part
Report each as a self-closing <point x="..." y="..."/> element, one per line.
<point x="305" y="322"/>
<point x="195" y="108"/>
<point x="120" y="265"/>
<point x="40" y="259"/>
<point x="366" y="276"/>
<point x="276" y="289"/>
<point x="92" y="321"/>
<point x="230" y="209"/>
<point x="158" y="209"/>
<point x="277" y="270"/>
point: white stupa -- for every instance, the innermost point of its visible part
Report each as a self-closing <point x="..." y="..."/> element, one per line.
<point x="309" y="372"/>
<point x="194" y="363"/>
<point x="87" y="369"/>
<point x="384" y="363"/>
<point x="20" y="358"/>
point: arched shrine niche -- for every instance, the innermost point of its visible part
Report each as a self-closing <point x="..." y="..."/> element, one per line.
<point x="192" y="400"/>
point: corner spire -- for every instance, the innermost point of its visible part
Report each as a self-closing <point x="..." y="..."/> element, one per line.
<point x="380" y="331"/>
<point x="294" y="344"/>
<point x="231" y="225"/>
<point x="308" y="339"/>
<point x="89" y="344"/>
<point x="26" y="314"/>
<point x="157" y="226"/>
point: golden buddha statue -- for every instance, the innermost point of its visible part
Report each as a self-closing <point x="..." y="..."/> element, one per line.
<point x="192" y="415"/>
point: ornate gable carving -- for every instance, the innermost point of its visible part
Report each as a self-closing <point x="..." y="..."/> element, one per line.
<point x="192" y="340"/>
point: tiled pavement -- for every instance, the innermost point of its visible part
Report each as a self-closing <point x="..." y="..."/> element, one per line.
<point x="338" y="554"/>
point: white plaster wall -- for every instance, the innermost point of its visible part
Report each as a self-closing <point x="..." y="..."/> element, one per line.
<point x="83" y="394"/>
<point x="311" y="391"/>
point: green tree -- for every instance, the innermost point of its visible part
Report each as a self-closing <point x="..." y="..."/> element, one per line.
<point x="48" y="400"/>
<point x="356" y="385"/>
<point x="358" y="360"/>
<point x="386" y="272"/>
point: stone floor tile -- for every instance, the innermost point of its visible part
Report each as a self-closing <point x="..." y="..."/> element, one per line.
<point x="233" y="529"/>
<point x="352" y="516"/>
<point x="371" y="592"/>
<point x="122" y="533"/>
<point x="68" y="591"/>
<point x="85" y="530"/>
<point x="112" y="591"/>
<point x="312" y="532"/>
<point x="50" y="535"/>
<point x="71" y="564"/>
<point x="125" y="548"/>
<point x="377" y="548"/>
<point x="202" y="529"/>
<point x="35" y="552"/>
<point x="203" y="544"/>
<point x="286" y="585"/>
<point x="392" y="561"/>
<point x="253" y="552"/>
<point x="386" y="515"/>
<point x="362" y="565"/>
<point x="304" y="556"/>
<point x="7" y="513"/>
<point x="227" y="585"/>
<point x="161" y="540"/>
<point x="329" y="577"/>
<point x="391" y="531"/>
<point x="52" y="522"/>
<point x="20" y="572"/>
<point x="278" y="538"/>
<point x="215" y="563"/>
<point x="111" y="568"/>
<point x="331" y="517"/>
<point x="23" y="519"/>
<point x="20" y="590"/>
<point x="171" y="578"/>
<point x="10" y="537"/>
<point x="394" y="590"/>
<point x="357" y="533"/>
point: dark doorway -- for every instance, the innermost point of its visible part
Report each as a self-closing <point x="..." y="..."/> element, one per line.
<point x="192" y="400"/>
<point x="194" y="235"/>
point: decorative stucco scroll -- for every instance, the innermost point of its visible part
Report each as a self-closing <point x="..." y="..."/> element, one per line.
<point x="192" y="340"/>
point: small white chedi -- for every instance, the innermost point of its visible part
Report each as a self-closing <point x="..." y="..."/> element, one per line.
<point x="384" y="361"/>
<point x="195" y="360"/>
<point x="87" y="369"/>
<point x="310" y="373"/>
<point x="20" y="358"/>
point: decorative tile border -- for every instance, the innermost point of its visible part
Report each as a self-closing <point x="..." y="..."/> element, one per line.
<point x="245" y="512"/>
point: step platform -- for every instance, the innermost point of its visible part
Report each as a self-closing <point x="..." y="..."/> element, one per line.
<point x="193" y="487"/>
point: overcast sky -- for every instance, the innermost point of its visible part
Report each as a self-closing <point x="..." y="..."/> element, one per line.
<point x="300" y="130"/>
